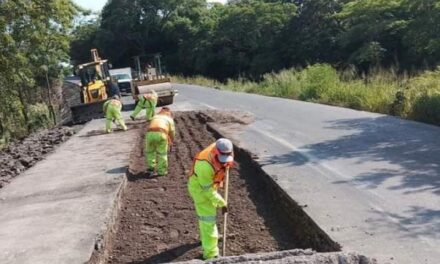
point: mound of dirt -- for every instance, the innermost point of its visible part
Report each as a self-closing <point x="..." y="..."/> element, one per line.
<point x="22" y="155"/>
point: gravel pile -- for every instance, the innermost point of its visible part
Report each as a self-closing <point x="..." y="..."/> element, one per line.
<point x="19" y="156"/>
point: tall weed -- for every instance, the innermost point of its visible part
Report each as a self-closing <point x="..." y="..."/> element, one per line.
<point x="382" y="91"/>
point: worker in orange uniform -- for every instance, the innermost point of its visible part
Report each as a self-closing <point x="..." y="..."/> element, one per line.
<point x="148" y="102"/>
<point x="207" y="176"/>
<point x="112" y="110"/>
<point x="158" y="140"/>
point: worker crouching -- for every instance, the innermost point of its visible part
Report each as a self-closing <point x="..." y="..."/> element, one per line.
<point x="158" y="141"/>
<point x="208" y="172"/>
<point x="148" y="102"/>
<point x="112" y="109"/>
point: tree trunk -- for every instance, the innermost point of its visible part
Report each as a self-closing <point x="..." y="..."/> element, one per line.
<point x="24" y="108"/>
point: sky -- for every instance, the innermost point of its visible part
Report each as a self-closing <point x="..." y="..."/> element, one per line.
<point x="96" y="5"/>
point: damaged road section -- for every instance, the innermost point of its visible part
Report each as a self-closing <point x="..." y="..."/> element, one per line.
<point x="20" y="156"/>
<point x="157" y="223"/>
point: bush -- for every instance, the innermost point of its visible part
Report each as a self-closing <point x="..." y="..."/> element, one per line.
<point x="426" y="108"/>
<point x="317" y="81"/>
<point x="382" y="92"/>
<point x="39" y="116"/>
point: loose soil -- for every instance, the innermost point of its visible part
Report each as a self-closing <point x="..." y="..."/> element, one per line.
<point x="20" y="156"/>
<point x="157" y="221"/>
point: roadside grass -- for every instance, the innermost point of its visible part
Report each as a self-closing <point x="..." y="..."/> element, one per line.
<point x="383" y="91"/>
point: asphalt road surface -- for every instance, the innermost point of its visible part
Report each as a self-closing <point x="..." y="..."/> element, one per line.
<point x="372" y="182"/>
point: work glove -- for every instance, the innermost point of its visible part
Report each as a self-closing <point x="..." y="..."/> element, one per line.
<point x="132" y="118"/>
<point x="224" y="209"/>
<point x="229" y="164"/>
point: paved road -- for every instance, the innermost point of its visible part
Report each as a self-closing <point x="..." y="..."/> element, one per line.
<point x="372" y="182"/>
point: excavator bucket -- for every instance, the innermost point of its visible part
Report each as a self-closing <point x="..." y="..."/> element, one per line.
<point x="85" y="112"/>
<point x="80" y="112"/>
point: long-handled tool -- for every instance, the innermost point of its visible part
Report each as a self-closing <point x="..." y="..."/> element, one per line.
<point x="225" y="216"/>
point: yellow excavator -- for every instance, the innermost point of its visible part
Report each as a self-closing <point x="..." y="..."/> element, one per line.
<point x="95" y="81"/>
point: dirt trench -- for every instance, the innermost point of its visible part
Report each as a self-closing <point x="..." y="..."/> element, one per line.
<point x="157" y="223"/>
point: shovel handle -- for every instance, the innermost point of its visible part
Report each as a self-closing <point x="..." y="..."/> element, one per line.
<point x="225" y="216"/>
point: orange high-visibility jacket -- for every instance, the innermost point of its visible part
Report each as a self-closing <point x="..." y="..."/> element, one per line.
<point x="209" y="155"/>
<point x="162" y="123"/>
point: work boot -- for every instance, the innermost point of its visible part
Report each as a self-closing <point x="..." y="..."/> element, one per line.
<point x="149" y="172"/>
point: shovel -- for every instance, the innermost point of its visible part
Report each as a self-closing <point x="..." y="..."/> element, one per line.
<point x="225" y="216"/>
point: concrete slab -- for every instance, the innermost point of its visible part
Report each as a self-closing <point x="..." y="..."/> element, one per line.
<point x="54" y="212"/>
<point x="296" y="256"/>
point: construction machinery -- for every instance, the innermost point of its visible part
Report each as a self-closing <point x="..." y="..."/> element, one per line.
<point x="95" y="82"/>
<point x="124" y="79"/>
<point x="150" y="76"/>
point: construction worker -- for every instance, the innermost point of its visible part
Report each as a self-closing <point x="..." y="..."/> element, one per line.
<point x="148" y="102"/>
<point x="112" y="110"/>
<point x="158" y="139"/>
<point x="114" y="88"/>
<point x="206" y="177"/>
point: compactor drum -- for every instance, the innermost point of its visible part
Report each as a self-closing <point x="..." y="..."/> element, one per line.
<point x="153" y="78"/>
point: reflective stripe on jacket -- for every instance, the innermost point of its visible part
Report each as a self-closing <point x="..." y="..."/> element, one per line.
<point x="162" y="123"/>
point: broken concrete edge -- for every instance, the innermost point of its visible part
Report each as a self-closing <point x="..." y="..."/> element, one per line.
<point x="294" y="256"/>
<point x="100" y="252"/>
<point x="104" y="236"/>
<point x="286" y="206"/>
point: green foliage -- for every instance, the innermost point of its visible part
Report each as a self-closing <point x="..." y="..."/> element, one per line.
<point x="39" y="116"/>
<point x="249" y="38"/>
<point x="384" y="92"/>
<point x="34" y="41"/>
<point x="422" y="96"/>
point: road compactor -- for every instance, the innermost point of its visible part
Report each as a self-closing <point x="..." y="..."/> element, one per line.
<point x="150" y="76"/>
<point x="94" y="83"/>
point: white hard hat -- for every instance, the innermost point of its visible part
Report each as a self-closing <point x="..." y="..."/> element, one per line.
<point x="225" y="148"/>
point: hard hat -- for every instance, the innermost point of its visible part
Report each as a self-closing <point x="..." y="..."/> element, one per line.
<point x="225" y="148"/>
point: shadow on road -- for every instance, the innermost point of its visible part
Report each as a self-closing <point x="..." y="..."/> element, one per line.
<point x="408" y="153"/>
<point x="119" y="170"/>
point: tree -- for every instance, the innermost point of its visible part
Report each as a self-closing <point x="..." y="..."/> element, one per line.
<point x="373" y="32"/>
<point x="245" y="37"/>
<point x="311" y="36"/>
<point x="33" y="41"/>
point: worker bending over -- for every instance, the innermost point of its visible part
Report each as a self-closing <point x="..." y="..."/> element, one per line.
<point x="207" y="176"/>
<point x="158" y="140"/>
<point x="148" y="102"/>
<point x="112" y="110"/>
